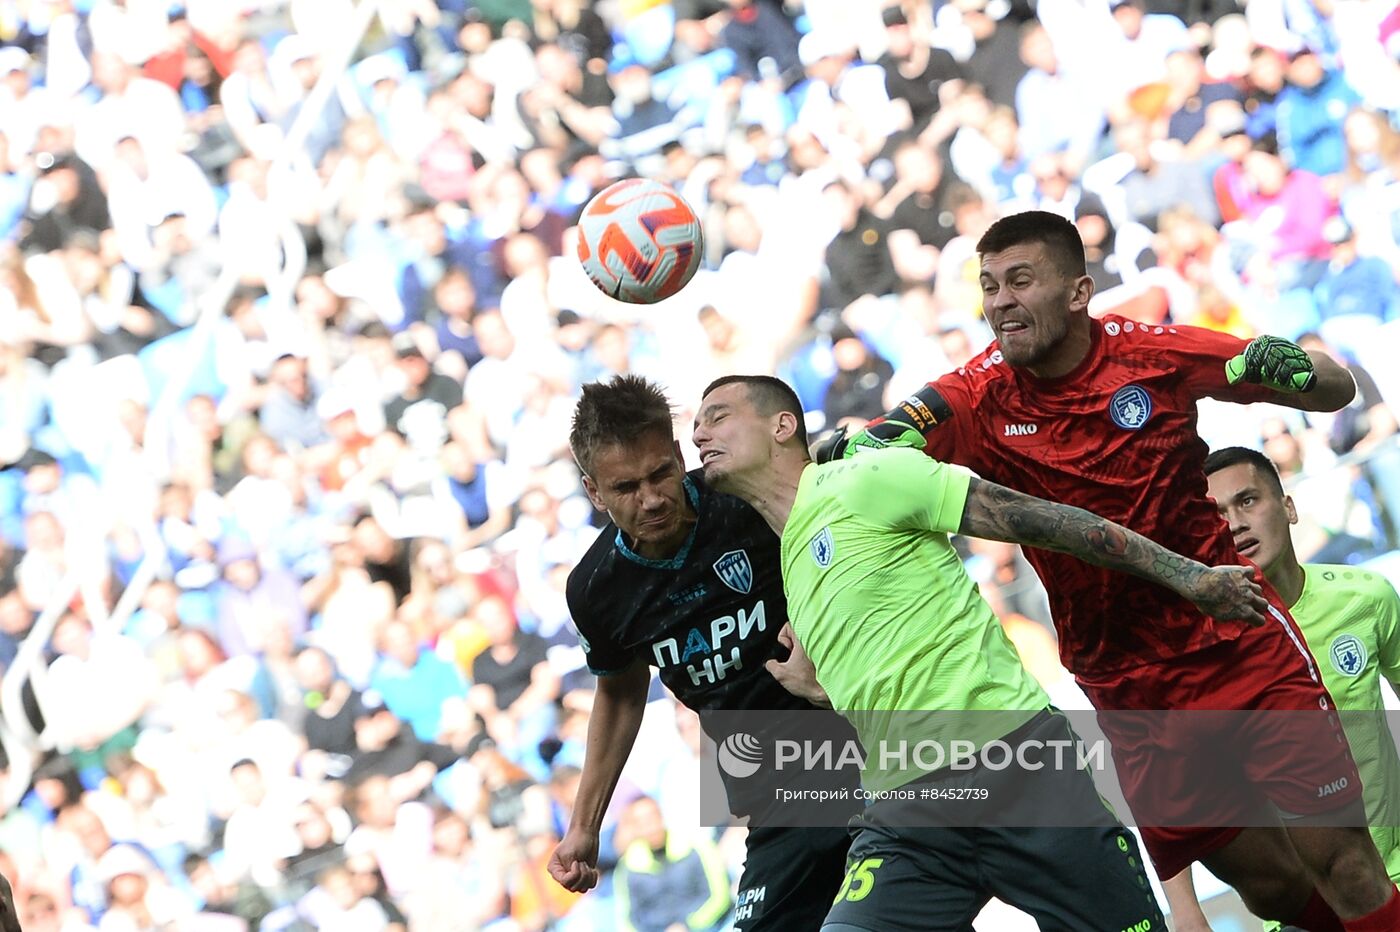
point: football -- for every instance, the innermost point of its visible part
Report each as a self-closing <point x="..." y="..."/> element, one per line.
<point x="639" y="241"/>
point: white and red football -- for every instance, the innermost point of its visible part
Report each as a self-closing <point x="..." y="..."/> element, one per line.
<point x="639" y="241"/>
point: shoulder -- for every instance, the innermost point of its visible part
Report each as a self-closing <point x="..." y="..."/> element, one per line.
<point x="592" y="570"/>
<point x="446" y="384"/>
<point x="872" y="474"/>
<point x="1168" y="345"/>
<point x="1126" y="336"/>
<point x="1377" y="587"/>
<point x="967" y="384"/>
<point x="720" y="508"/>
<point x="1338" y="581"/>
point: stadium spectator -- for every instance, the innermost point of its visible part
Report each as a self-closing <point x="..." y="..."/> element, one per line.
<point x="1311" y="110"/>
<point x="858" y="388"/>
<point x="1046" y="89"/>
<point x="138" y="896"/>
<point x="332" y="704"/>
<point x="858" y="259"/>
<point x="336" y="903"/>
<point x="993" y="61"/>
<point x="757" y="31"/>
<point x="224" y="897"/>
<point x="113" y="665"/>
<point x="319" y="847"/>
<point x="288" y="414"/>
<point x="252" y="599"/>
<point x="1288" y="209"/>
<point x="921" y="221"/>
<point x="75" y="202"/>
<point x="413" y="681"/>
<point x="385" y="558"/>
<point x="385" y="748"/>
<point x="1356" y="292"/>
<point x="916" y="72"/>
<point x="1197" y="105"/>
<point x="1152" y="185"/>
<point x="666" y="879"/>
<point x="512" y="682"/>
<point x="459" y="885"/>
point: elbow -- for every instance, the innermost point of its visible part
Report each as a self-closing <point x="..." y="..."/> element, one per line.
<point x="1343" y="392"/>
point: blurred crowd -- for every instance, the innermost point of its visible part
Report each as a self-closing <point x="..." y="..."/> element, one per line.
<point x="291" y="328"/>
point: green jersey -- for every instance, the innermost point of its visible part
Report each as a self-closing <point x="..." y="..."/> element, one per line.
<point x="893" y="624"/>
<point x="1351" y="620"/>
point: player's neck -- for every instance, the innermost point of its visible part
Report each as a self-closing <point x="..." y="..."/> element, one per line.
<point x="771" y="491"/>
<point x="1068" y="353"/>
<point x="1287" y="576"/>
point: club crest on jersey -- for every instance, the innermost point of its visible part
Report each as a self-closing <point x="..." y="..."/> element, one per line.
<point x="1348" y="655"/>
<point x="822" y="548"/>
<point x="735" y="570"/>
<point x="1130" y="407"/>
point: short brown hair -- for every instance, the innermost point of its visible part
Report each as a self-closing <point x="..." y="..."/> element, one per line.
<point x="617" y="413"/>
<point x="1059" y="237"/>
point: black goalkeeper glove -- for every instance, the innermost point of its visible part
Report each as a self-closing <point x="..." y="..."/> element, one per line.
<point x="1274" y="363"/>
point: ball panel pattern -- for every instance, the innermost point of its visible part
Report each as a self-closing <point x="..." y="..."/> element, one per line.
<point x="639" y="241"/>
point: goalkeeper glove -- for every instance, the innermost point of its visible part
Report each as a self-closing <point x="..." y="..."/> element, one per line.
<point x="1274" y="363"/>
<point x="889" y="433"/>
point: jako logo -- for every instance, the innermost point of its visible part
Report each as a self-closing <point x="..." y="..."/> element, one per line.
<point x="740" y="755"/>
<point x="1336" y="786"/>
<point x="1143" y="926"/>
<point x="1021" y="430"/>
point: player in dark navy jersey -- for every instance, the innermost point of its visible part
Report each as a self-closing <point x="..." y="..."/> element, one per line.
<point x="687" y="580"/>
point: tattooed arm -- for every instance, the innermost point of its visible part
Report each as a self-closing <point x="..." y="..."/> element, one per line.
<point x="995" y="512"/>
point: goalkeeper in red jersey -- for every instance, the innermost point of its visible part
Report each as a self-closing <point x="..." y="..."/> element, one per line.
<point x="1102" y="414"/>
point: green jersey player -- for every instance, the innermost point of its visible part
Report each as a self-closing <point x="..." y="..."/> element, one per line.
<point x="1350" y="618"/>
<point x="895" y="627"/>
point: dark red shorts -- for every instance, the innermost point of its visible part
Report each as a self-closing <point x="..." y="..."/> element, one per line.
<point x="1194" y="777"/>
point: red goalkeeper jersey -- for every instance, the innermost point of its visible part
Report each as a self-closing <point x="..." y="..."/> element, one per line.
<point x="1116" y="436"/>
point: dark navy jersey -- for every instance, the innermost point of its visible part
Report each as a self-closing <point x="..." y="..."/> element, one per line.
<point x="707" y="618"/>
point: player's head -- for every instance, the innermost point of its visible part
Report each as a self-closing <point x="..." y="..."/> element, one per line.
<point x="1250" y="496"/>
<point x="1035" y="289"/>
<point x="631" y="463"/>
<point x="745" y="423"/>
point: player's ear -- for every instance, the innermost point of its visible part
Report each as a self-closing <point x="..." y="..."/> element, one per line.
<point x="592" y="490"/>
<point x="785" y="427"/>
<point x="1290" y="509"/>
<point x="680" y="458"/>
<point x="1081" y="293"/>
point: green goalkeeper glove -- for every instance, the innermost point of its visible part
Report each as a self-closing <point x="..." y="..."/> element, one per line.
<point x="1275" y="363"/>
<point x="888" y="433"/>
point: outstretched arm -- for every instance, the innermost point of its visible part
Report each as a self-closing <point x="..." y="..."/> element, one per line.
<point x="1334" y="390"/>
<point x="612" y="728"/>
<point x="1309" y="381"/>
<point x="998" y="513"/>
